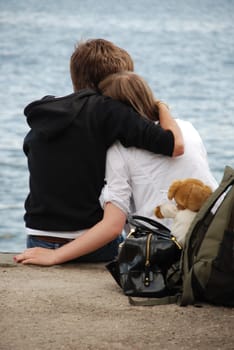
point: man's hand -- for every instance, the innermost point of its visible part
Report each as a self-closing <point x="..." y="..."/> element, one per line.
<point x="168" y="123"/>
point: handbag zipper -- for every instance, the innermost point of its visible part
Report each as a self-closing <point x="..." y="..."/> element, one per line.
<point x="176" y="242"/>
<point x="129" y="234"/>
<point x="147" y="257"/>
<point x="147" y="260"/>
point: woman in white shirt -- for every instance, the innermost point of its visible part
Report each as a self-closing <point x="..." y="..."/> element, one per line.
<point x="137" y="180"/>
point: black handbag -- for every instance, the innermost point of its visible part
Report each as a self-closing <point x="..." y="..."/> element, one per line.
<point x="147" y="260"/>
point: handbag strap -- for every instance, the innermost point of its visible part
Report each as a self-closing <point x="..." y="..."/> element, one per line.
<point x="170" y="299"/>
<point x="135" y="220"/>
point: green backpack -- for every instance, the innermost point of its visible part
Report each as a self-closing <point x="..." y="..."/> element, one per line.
<point x="207" y="263"/>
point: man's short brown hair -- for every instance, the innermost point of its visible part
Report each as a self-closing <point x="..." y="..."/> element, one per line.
<point x="94" y="59"/>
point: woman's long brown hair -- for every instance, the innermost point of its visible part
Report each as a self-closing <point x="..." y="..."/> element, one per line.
<point x="133" y="90"/>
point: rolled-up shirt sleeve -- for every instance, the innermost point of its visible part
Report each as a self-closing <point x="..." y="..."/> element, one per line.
<point x="118" y="188"/>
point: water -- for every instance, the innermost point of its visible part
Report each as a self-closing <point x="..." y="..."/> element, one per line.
<point x="184" y="49"/>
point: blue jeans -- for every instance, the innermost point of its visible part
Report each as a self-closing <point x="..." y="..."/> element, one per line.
<point x="104" y="254"/>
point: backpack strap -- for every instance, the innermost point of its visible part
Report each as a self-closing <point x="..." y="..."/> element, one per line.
<point x="187" y="297"/>
<point x="228" y="179"/>
<point x="170" y="299"/>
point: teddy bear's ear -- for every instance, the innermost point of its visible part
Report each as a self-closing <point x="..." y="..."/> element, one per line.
<point x="173" y="188"/>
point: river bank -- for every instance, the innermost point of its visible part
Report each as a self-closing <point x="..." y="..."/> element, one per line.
<point x="74" y="307"/>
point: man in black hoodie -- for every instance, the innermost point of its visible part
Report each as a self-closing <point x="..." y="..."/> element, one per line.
<point x="66" y="149"/>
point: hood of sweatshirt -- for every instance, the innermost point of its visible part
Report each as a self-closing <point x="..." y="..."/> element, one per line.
<point x="51" y="115"/>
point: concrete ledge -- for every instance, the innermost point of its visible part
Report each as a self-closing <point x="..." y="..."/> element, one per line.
<point x="79" y="306"/>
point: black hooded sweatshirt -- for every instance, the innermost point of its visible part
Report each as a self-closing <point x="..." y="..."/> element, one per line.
<point x="66" y="150"/>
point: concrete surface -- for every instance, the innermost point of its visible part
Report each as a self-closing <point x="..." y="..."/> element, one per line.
<point x="74" y="307"/>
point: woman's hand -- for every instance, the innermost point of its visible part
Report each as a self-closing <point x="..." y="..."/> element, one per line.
<point x="96" y="237"/>
<point x="37" y="256"/>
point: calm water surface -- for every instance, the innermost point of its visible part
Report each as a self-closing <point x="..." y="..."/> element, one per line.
<point x="184" y="49"/>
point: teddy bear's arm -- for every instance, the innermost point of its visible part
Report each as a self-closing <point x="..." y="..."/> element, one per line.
<point x="168" y="210"/>
<point x="158" y="213"/>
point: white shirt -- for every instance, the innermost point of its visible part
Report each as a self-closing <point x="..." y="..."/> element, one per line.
<point x="137" y="180"/>
<point x="61" y="234"/>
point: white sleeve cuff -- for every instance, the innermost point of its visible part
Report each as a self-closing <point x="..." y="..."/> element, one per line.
<point x="109" y="196"/>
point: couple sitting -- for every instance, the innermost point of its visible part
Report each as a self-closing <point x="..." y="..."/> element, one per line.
<point x="77" y="140"/>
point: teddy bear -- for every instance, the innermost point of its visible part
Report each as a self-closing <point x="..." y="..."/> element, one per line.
<point x="189" y="195"/>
